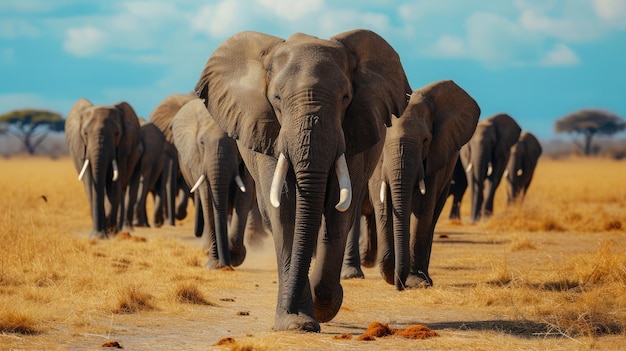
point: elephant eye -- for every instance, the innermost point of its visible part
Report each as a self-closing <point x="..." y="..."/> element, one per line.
<point x="346" y="98"/>
<point x="277" y="97"/>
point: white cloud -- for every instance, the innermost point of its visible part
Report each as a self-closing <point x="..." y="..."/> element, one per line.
<point x="292" y="10"/>
<point x="85" y="41"/>
<point x="221" y="20"/>
<point x="450" y="46"/>
<point x="612" y="12"/>
<point x="560" y="55"/>
<point x="18" y="28"/>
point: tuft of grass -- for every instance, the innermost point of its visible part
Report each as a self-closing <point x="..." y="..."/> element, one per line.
<point x="189" y="293"/>
<point x="132" y="299"/>
<point x="13" y="321"/>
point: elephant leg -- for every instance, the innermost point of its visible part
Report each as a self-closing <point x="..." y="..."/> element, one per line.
<point x="182" y="200"/>
<point x="367" y="242"/>
<point x="242" y="203"/>
<point x="255" y="232"/>
<point x="477" y="200"/>
<point x="351" y="267"/>
<point x="133" y="189"/>
<point x="141" y="217"/>
<point x="490" y="190"/>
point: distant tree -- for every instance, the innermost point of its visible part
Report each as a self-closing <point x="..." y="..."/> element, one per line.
<point x="31" y="126"/>
<point x="590" y="123"/>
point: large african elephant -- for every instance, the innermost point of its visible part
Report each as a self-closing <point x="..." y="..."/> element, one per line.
<point x="522" y="162"/>
<point x="485" y="157"/>
<point x="177" y="192"/>
<point x="104" y="144"/>
<point x="309" y="117"/>
<point x="410" y="184"/>
<point x="211" y="164"/>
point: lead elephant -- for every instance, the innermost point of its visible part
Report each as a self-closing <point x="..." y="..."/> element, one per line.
<point x="211" y="164"/>
<point x="104" y="144"/>
<point x="410" y="184"/>
<point x="309" y="117"/>
<point x="484" y="158"/>
<point x="521" y="167"/>
<point x="176" y="190"/>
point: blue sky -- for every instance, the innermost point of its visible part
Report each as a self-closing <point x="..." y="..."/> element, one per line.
<point x="536" y="60"/>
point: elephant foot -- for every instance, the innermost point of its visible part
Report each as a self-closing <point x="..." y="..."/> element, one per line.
<point x="325" y="305"/>
<point x="368" y="260"/>
<point x="98" y="234"/>
<point x="141" y="225"/>
<point x="298" y="322"/>
<point x="214" y="264"/>
<point x="351" y="272"/>
<point x="181" y="214"/>
<point x="237" y="256"/>
<point x="419" y="281"/>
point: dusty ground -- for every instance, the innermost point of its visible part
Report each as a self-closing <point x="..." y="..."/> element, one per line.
<point x="463" y="255"/>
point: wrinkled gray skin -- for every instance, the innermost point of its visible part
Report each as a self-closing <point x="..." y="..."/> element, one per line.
<point x="206" y="152"/>
<point x="148" y="173"/>
<point x="410" y="184"/>
<point x="176" y="190"/>
<point x="311" y="100"/>
<point x="102" y="134"/>
<point x="521" y="167"/>
<point x="485" y="157"/>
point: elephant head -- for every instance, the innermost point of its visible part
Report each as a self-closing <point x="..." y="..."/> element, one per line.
<point x="522" y="162"/>
<point x="211" y="164"/>
<point x="104" y="145"/>
<point x="485" y="156"/>
<point x="420" y="152"/>
<point x="306" y="106"/>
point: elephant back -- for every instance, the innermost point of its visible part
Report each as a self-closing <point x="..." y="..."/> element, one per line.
<point x="164" y="113"/>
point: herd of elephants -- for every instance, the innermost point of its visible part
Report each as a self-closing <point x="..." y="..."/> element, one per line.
<point x="303" y="137"/>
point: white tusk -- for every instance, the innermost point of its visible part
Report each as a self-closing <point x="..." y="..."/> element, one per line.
<point x="240" y="183"/>
<point x="469" y="168"/>
<point x="282" y="166"/>
<point x="115" y="170"/>
<point x="197" y="185"/>
<point x="84" y="169"/>
<point x="343" y="176"/>
<point x="422" y="187"/>
<point x="506" y="173"/>
<point x="383" y="191"/>
<point x="520" y="172"/>
<point x="489" y="169"/>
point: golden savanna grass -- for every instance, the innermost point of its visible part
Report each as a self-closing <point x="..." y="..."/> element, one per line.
<point x="546" y="274"/>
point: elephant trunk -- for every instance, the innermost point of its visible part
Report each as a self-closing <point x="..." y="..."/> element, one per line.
<point x="99" y="160"/>
<point x="406" y="174"/>
<point x="480" y="163"/>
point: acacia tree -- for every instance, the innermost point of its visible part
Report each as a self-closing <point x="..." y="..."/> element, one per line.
<point x="31" y="126"/>
<point x="589" y="123"/>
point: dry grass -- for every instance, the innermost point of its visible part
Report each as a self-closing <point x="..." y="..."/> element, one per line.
<point x="547" y="274"/>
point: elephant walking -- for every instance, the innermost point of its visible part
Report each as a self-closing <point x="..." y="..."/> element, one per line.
<point x="104" y="144"/>
<point x="211" y="164"/>
<point x="148" y="172"/>
<point x="176" y="190"/>
<point x="521" y="167"/>
<point x="485" y="157"/>
<point x="309" y="118"/>
<point x="458" y="185"/>
<point x="410" y="184"/>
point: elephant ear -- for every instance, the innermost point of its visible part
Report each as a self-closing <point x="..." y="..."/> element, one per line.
<point x="185" y="126"/>
<point x="130" y="128"/>
<point x="233" y="87"/>
<point x="454" y="116"/>
<point x="73" y="124"/>
<point x="508" y="132"/>
<point x="533" y="147"/>
<point x="380" y="88"/>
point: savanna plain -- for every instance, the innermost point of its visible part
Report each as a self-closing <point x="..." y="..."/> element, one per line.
<point x="549" y="274"/>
